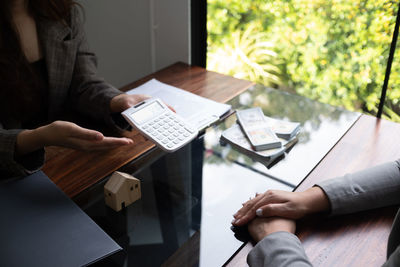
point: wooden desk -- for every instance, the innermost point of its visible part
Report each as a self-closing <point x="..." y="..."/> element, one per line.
<point x="74" y="171"/>
<point x="352" y="240"/>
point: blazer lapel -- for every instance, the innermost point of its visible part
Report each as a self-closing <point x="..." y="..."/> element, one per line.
<point x="60" y="53"/>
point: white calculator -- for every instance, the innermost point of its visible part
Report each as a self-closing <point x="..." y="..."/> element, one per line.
<point x="158" y="123"/>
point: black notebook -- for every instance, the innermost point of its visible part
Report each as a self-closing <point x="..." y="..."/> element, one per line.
<point x="41" y="226"/>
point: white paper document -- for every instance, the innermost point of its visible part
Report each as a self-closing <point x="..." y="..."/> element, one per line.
<point x="198" y="111"/>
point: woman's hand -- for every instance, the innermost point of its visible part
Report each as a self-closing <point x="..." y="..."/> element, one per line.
<point x="66" y="134"/>
<point x="122" y="102"/>
<point x="261" y="227"/>
<point x="291" y="205"/>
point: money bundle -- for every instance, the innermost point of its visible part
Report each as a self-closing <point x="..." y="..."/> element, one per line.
<point x="256" y="129"/>
<point x="283" y="129"/>
<point x="284" y="132"/>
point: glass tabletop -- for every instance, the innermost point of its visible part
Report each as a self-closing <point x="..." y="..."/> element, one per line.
<point x="189" y="196"/>
<point x="322" y="126"/>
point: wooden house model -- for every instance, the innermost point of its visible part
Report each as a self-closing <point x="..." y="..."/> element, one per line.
<point x="121" y="190"/>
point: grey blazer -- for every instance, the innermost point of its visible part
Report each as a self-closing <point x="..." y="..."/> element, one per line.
<point x="372" y="188"/>
<point x="72" y="82"/>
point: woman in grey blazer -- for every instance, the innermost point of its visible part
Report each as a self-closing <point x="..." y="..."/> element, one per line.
<point x="270" y="216"/>
<point x="46" y="68"/>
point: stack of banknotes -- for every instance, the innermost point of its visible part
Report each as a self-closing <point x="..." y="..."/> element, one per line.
<point x="285" y="131"/>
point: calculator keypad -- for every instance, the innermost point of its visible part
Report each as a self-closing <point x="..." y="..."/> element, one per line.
<point x="169" y="131"/>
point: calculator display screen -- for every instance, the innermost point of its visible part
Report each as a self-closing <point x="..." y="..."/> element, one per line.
<point x="147" y="112"/>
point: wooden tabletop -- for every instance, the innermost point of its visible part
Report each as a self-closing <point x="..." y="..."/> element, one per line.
<point x="74" y="171"/>
<point x="357" y="239"/>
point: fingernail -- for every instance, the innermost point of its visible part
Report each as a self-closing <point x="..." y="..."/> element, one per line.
<point x="233" y="221"/>
<point x="237" y="221"/>
<point x="259" y="212"/>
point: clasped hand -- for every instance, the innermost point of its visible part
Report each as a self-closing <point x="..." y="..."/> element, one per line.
<point x="277" y="210"/>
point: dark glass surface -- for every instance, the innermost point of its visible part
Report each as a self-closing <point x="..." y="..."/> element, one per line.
<point x="322" y="126"/>
<point x="189" y="196"/>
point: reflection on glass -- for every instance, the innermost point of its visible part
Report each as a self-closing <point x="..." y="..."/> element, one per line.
<point x="322" y="126"/>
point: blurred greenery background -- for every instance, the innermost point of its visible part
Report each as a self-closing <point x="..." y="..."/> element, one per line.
<point x="333" y="51"/>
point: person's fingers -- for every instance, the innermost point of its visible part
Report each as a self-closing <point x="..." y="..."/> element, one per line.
<point x="124" y="101"/>
<point x="285" y="210"/>
<point x="116" y="141"/>
<point x="248" y="211"/>
<point x="270" y="210"/>
<point x="144" y="97"/>
<point x="104" y="144"/>
<point x="76" y="131"/>
<point x="269" y="204"/>
<point x="136" y="99"/>
<point x="244" y="219"/>
<point x="87" y="134"/>
<point x="252" y="205"/>
<point x="247" y="206"/>
<point x="171" y="108"/>
<point x="110" y="142"/>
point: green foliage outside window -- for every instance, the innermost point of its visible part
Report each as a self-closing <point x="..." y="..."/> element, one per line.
<point x="334" y="51"/>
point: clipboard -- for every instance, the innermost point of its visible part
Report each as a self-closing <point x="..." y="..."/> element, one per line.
<point x="199" y="111"/>
<point x="41" y="226"/>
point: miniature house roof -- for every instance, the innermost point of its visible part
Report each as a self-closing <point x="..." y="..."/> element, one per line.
<point x="117" y="180"/>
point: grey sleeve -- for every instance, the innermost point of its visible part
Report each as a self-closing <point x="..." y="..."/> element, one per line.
<point x="90" y="94"/>
<point x="371" y="188"/>
<point x="394" y="259"/>
<point x="10" y="165"/>
<point x="278" y="249"/>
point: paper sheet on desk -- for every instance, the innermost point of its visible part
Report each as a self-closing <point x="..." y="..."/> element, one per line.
<point x="197" y="110"/>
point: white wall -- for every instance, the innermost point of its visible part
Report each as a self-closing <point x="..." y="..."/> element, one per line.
<point x="133" y="38"/>
<point x="172" y="27"/>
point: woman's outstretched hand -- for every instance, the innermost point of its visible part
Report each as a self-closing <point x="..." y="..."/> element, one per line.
<point x="66" y="134"/>
<point x="291" y="205"/>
